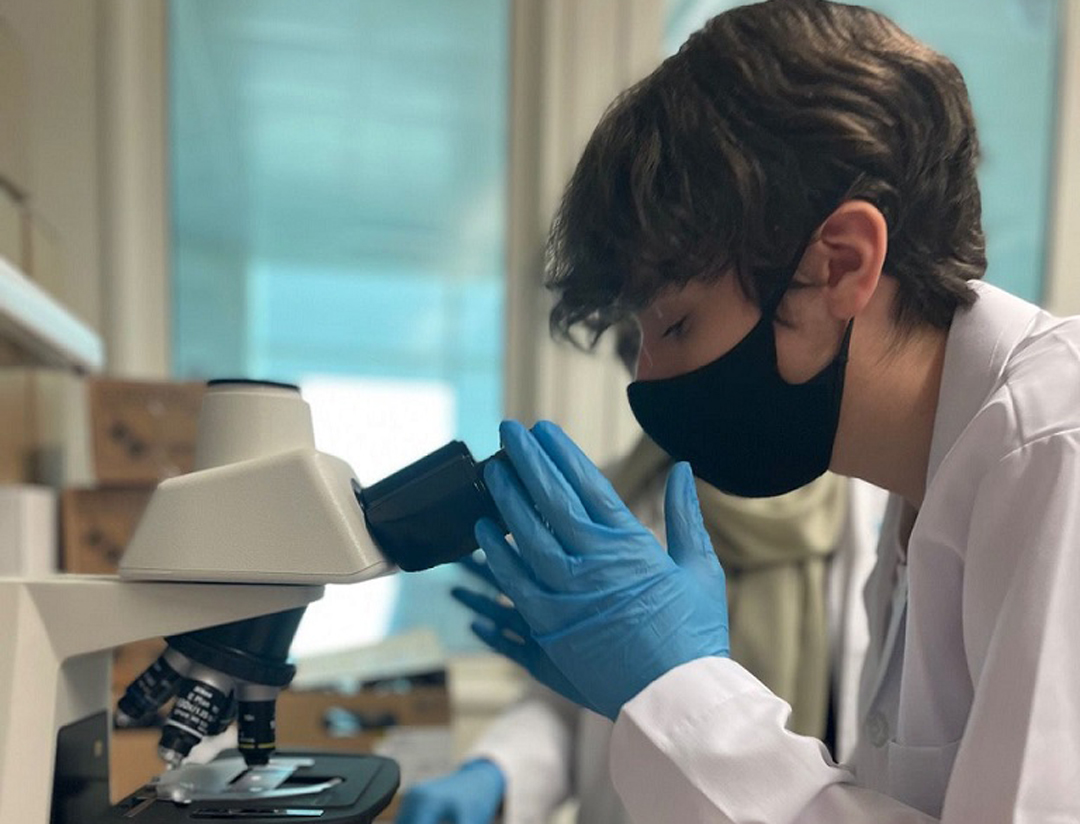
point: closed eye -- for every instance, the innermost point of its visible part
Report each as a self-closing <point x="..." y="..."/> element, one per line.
<point x="677" y="329"/>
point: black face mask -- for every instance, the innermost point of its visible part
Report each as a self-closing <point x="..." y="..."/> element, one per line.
<point x="742" y="428"/>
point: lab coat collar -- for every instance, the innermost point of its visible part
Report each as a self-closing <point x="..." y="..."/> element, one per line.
<point x="980" y="341"/>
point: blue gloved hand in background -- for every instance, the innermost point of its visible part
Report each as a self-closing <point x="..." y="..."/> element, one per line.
<point x="599" y="601"/>
<point x="471" y="795"/>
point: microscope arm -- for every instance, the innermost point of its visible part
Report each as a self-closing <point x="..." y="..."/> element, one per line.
<point x="55" y="656"/>
<point x="264" y="506"/>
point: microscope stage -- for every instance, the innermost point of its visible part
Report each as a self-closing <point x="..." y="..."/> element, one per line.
<point x="315" y="787"/>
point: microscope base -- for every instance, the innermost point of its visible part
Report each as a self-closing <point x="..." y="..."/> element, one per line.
<point x="368" y="783"/>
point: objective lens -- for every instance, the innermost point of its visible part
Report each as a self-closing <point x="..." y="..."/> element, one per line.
<point x="257" y="733"/>
<point x="196" y="713"/>
<point x="226" y="718"/>
<point x="157" y="684"/>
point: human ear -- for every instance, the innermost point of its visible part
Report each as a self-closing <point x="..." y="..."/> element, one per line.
<point x="853" y="241"/>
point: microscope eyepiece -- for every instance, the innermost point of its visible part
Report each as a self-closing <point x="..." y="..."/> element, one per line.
<point x="424" y="515"/>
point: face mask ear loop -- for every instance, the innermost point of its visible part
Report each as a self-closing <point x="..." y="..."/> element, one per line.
<point x="791" y="271"/>
<point x="845" y="342"/>
<point x="772" y="306"/>
<point x="768" y="319"/>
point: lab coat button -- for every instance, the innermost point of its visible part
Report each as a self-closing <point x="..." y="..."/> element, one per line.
<point x="877" y="728"/>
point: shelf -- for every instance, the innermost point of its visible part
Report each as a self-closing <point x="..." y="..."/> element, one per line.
<point x="36" y="330"/>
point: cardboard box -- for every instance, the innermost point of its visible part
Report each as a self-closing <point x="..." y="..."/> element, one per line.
<point x="307" y="718"/>
<point x="12" y="230"/>
<point x="143" y="431"/>
<point x="96" y="525"/>
<point x="14" y="113"/>
<point x="19" y="432"/>
<point x="133" y="760"/>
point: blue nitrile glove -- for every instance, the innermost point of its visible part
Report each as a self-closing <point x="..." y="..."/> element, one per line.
<point x="597" y="593"/>
<point x="506" y="632"/>
<point x="471" y="795"/>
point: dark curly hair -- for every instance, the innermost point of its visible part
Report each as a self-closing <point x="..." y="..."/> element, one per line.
<point x="729" y="155"/>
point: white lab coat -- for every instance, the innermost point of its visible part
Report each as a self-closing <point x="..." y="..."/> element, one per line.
<point x="551" y="750"/>
<point x="970" y="698"/>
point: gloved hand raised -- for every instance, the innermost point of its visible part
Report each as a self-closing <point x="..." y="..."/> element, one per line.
<point x="506" y="632"/>
<point x="471" y="795"/>
<point x="599" y="597"/>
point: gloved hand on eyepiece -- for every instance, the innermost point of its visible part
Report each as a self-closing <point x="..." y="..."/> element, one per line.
<point x="599" y="601"/>
<point x="471" y="795"/>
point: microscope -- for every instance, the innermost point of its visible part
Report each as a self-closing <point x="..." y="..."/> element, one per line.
<point x="222" y="565"/>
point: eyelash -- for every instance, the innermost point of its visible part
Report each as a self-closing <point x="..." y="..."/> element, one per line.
<point x="677" y="329"/>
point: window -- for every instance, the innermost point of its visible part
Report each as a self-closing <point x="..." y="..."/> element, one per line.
<point x="338" y="172"/>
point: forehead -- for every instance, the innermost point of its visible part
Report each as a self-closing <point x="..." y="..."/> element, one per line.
<point x="712" y="295"/>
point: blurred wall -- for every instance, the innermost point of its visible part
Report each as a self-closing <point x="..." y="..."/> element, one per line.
<point x="59" y="39"/>
<point x="89" y="153"/>
<point x="570" y="58"/>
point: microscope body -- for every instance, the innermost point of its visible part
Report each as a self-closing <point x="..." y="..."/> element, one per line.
<point x="222" y="564"/>
<point x="261" y="507"/>
<point x="262" y="504"/>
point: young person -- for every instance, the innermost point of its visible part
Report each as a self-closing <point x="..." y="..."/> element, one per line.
<point x="789" y="208"/>
<point x="777" y="554"/>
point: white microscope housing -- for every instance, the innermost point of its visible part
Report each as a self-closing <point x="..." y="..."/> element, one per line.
<point x="262" y="507"/>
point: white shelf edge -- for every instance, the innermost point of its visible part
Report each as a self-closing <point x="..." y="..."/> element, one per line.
<point x="44" y="329"/>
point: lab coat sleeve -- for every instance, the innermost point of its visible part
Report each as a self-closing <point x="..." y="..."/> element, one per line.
<point x="533" y="744"/>
<point x="1019" y="758"/>
<point x="706" y="742"/>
